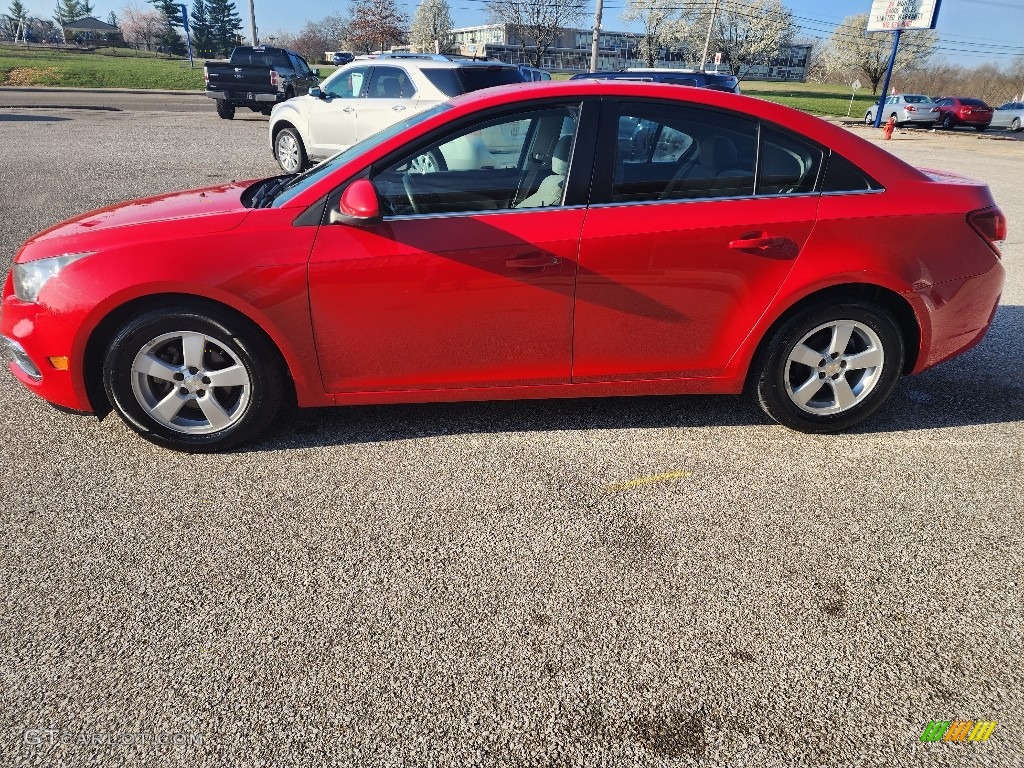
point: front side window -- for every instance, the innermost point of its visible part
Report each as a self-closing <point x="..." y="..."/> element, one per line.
<point x="346" y="84"/>
<point x="515" y="161"/>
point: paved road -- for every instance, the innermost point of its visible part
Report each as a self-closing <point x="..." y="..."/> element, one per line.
<point x="644" y="582"/>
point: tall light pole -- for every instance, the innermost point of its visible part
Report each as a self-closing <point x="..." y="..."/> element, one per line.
<point x="597" y="35"/>
<point x="252" y="22"/>
<point x="707" y="40"/>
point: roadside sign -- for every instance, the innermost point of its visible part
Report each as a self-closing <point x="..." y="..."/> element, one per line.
<point x="892" y="15"/>
<point x="718" y="59"/>
<point x="856" y="85"/>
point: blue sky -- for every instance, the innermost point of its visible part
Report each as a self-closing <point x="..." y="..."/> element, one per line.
<point x="972" y="31"/>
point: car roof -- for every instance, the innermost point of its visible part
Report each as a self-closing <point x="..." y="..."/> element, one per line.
<point x="440" y="61"/>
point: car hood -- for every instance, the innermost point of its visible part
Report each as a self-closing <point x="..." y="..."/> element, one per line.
<point x="192" y="212"/>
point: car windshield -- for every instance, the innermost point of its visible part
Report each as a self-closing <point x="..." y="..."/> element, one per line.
<point x="300" y="183"/>
<point x="914" y="99"/>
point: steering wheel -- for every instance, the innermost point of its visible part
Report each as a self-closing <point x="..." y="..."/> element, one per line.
<point x="407" y="185"/>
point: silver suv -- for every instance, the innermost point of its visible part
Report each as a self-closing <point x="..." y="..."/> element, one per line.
<point x="366" y="96"/>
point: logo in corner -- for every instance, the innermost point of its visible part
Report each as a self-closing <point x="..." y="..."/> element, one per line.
<point x="958" y="730"/>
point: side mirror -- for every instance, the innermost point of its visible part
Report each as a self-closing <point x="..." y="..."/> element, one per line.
<point x="316" y="93"/>
<point x="358" y="205"/>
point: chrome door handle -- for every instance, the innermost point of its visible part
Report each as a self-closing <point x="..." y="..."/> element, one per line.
<point x="349" y="109"/>
<point x="398" y="108"/>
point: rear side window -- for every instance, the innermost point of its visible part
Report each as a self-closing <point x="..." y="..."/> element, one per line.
<point x="843" y="176"/>
<point x="668" y="152"/>
<point x="788" y="165"/>
<point x="389" y="83"/>
<point x="476" y="78"/>
<point x="972" y="102"/>
<point x="917" y="99"/>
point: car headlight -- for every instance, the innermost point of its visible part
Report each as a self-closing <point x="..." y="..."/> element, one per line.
<point x="30" y="277"/>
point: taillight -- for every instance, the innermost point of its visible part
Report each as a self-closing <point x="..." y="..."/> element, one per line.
<point x="275" y="79"/>
<point x="206" y="76"/>
<point x="990" y="223"/>
<point x="910" y="108"/>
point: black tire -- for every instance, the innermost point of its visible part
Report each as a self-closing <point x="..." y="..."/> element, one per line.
<point x="781" y="379"/>
<point x="222" y="345"/>
<point x="289" y="150"/>
<point x="897" y="122"/>
<point x="289" y="94"/>
<point x="225" y="110"/>
<point x="948" y="123"/>
<point x="980" y="128"/>
<point x="1015" y="125"/>
<point x="868" y="119"/>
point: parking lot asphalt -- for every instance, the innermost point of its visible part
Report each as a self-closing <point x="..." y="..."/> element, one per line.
<point x="617" y="582"/>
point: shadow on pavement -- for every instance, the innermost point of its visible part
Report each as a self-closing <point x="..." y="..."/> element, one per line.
<point x="31" y="118"/>
<point x="984" y="386"/>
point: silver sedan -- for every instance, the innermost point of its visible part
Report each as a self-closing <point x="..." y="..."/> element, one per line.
<point x="1009" y="115"/>
<point x="908" y="108"/>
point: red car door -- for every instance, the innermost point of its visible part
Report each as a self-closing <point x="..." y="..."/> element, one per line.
<point x="457" y="287"/>
<point x="684" y="256"/>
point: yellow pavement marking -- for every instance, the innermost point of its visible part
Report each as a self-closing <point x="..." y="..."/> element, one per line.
<point x="630" y="484"/>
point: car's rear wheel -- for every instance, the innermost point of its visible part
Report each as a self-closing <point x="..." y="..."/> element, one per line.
<point x="289" y="151"/>
<point x="225" y="110"/>
<point x="980" y="128"/>
<point x="428" y="162"/>
<point x="1015" y="125"/>
<point x="829" y="367"/>
<point x="193" y="380"/>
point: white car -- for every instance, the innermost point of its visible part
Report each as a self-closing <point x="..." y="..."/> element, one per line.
<point x="366" y="96"/>
<point x="909" y="108"/>
<point x="1009" y="115"/>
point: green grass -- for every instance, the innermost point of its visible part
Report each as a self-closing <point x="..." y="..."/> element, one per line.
<point x="816" y="98"/>
<point x="106" y="68"/>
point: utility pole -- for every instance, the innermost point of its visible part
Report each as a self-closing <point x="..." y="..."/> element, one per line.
<point x="597" y="35"/>
<point x="252" y="22"/>
<point x="707" y="40"/>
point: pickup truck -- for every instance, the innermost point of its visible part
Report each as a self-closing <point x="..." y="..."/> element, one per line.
<point x="257" y="77"/>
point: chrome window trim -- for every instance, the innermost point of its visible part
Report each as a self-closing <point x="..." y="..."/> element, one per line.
<point x="706" y="199"/>
<point x="853" y="192"/>
<point x="489" y="212"/>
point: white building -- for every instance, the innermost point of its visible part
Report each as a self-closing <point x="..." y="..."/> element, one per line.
<point x="616" y="50"/>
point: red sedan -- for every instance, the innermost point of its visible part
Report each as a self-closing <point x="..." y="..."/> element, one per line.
<point x="590" y="238"/>
<point x="961" y="110"/>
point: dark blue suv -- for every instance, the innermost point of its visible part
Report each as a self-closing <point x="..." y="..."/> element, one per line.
<point x="715" y="81"/>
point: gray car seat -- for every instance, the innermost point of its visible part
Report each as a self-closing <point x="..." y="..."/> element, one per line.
<point x="551" y="190"/>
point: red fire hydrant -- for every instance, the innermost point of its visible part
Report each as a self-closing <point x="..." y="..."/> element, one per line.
<point x="890" y="126"/>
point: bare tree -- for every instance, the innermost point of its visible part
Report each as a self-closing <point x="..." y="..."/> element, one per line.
<point x="665" y="22"/>
<point x="535" y="24"/>
<point x="852" y="47"/>
<point x="751" y="32"/>
<point x="377" y="25"/>
<point x="141" y="27"/>
<point x="316" y="38"/>
<point x="432" y="27"/>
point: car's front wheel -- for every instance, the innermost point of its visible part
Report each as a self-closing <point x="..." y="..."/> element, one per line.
<point x="289" y="151"/>
<point x="829" y="367"/>
<point x="195" y="380"/>
<point x="869" y="119"/>
<point x="1015" y="125"/>
<point x="948" y="123"/>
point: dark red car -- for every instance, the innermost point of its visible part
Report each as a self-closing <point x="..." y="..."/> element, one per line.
<point x="726" y="244"/>
<point x="963" y="110"/>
